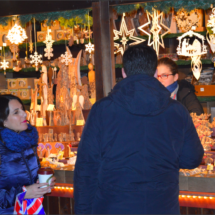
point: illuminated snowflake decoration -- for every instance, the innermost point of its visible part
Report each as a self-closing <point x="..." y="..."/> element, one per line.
<point x="48" y="53"/>
<point x="16" y="35"/>
<point x="49" y="42"/>
<point x="124" y="33"/>
<point x="89" y="48"/>
<point x="36" y="59"/>
<point x="66" y="58"/>
<point x="155" y="30"/>
<point x="4" y="65"/>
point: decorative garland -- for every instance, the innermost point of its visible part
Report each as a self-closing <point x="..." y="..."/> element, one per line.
<point x="69" y="18"/>
<point x="165" y="6"/>
<point x="51" y="16"/>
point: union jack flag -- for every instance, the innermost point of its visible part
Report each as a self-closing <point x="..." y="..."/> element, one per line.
<point x="28" y="206"/>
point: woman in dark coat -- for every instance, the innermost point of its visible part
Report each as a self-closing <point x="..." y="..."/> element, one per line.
<point x="182" y="91"/>
<point x="18" y="155"/>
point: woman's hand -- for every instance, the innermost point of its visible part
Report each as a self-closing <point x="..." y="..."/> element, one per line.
<point x="34" y="190"/>
<point x="53" y="179"/>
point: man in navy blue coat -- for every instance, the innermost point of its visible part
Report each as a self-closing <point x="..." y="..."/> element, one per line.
<point x="133" y="145"/>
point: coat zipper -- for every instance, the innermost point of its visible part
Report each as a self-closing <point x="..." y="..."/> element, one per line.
<point x="27" y="167"/>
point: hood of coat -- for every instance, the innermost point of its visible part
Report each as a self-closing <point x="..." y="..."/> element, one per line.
<point x="141" y="95"/>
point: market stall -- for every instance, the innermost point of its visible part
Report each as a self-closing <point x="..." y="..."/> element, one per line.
<point x="48" y="60"/>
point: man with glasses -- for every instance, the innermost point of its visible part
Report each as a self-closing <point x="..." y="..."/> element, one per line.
<point x="133" y="145"/>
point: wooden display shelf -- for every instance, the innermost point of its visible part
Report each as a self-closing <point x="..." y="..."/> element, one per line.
<point x="205" y="90"/>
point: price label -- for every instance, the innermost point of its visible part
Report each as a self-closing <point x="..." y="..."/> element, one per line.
<point x="210" y="167"/>
<point x="80" y="122"/>
<point x="202" y="89"/>
<point x="39" y="122"/>
<point x="50" y="107"/>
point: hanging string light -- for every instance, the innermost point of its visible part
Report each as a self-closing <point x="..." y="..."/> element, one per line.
<point x="89" y="46"/>
<point x="4" y="64"/>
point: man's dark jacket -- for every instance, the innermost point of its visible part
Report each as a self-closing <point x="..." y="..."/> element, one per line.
<point x="186" y="96"/>
<point x="132" y="147"/>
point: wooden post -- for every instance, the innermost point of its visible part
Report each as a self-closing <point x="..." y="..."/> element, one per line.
<point x="104" y="48"/>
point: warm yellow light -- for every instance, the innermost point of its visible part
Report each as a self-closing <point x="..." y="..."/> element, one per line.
<point x="16" y="34"/>
<point x="199" y="197"/>
<point x="188" y="196"/>
<point x="211" y="197"/>
<point x="194" y="197"/>
<point x="205" y="197"/>
<point x="183" y="196"/>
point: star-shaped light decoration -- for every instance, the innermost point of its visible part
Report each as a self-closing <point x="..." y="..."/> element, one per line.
<point x="36" y="60"/>
<point x="211" y="21"/>
<point x="155" y="30"/>
<point x="48" y="41"/>
<point x="124" y="33"/>
<point x="66" y="58"/>
<point x="4" y="65"/>
<point x="16" y="35"/>
<point x="89" y="48"/>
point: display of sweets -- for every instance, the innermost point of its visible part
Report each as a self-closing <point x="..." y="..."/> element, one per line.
<point x="204" y="130"/>
<point x="190" y="172"/>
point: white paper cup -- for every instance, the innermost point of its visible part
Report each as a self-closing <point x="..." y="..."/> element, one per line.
<point x="45" y="179"/>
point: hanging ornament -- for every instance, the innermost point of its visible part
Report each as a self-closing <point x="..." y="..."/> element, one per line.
<point x="49" y="42"/>
<point x="194" y="50"/>
<point x="67" y="58"/>
<point x="4" y="64"/>
<point x="211" y="37"/>
<point x="16" y="35"/>
<point x="35" y="59"/>
<point x="211" y="21"/>
<point x="14" y="49"/>
<point x="89" y="47"/>
<point x="31" y="45"/>
<point x="155" y="30"/>
<point x="124" y="33"/>
<point x="186" y="20"/>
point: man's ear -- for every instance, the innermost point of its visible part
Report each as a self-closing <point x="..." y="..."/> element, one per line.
<point x="123" y="73"/>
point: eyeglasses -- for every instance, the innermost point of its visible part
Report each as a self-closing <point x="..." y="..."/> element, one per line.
<point x="164" y="76"/>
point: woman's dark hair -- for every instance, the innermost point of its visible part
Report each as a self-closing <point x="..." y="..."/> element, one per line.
<point x="170" y="63"/>
<point x="4" y="107"/>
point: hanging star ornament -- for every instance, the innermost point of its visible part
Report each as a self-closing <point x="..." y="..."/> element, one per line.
<point x="66" y="58"/>
<point x="124" y="33"/>
<point x="36" y="60"/>
<point x="4" y="65"/>
<point x="89" y="48"/>
<point x="155" y="30"/>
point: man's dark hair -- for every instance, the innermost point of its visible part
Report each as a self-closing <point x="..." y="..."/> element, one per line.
<point x="140" y="59"/>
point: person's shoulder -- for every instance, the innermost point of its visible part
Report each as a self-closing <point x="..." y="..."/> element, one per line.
<point x="177" y="106"/>
<point x="103" y="102"/>
<point x="183" y="84"/>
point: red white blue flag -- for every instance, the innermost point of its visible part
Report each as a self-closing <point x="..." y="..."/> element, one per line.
<point x="28" y="206"/>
